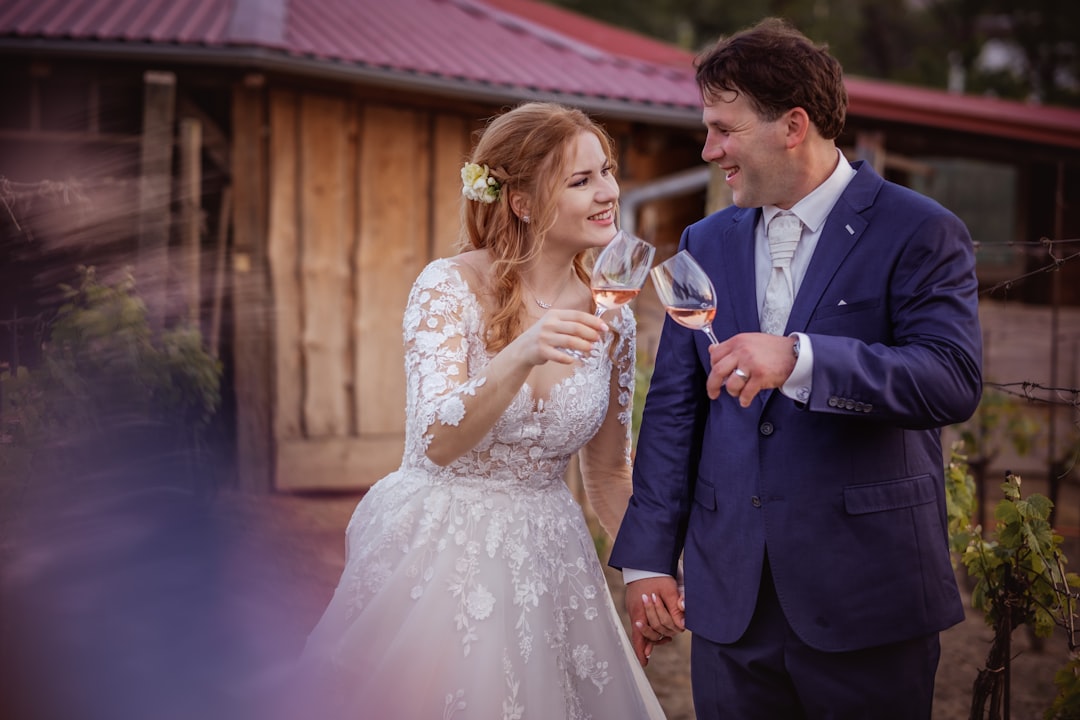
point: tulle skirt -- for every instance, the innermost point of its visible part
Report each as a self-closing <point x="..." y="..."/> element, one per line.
<point x="467" y="601"/>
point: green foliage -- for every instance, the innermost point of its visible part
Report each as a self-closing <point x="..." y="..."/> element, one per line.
<point x="101" y="362"/>
<point x="1020" y="579"/>
<point x="1021" y="573"/>
<point x="959" y="500"/>
<point x="999" y="421"/>
<point x="643" y="369"/>
<point x="891" y="39"/>
<point x="1066" y="705"/>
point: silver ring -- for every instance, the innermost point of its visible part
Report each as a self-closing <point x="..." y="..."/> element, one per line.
<point x="739" y="372"/>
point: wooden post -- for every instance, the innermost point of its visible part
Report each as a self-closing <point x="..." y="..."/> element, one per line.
<point x="190" y="210"/>
<point x="220" y="270"/>
<point x="252" y="301"/>
<point x="155" y="193"/>
<point x="717" y="194"/>
<point x="870" y="146"/>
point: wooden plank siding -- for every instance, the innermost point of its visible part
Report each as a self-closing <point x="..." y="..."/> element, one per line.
<point x="252" y="298"/>
<point x="284" y="253"/>
<point x="325" y="283"/>
<point x="451" y="149"/>
<point x="362" y="196"/>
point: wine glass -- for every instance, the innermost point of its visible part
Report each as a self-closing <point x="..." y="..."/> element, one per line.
<point x="686" y="293"/>
<point x="620" y="271"/>
<point x="618" y="274"/>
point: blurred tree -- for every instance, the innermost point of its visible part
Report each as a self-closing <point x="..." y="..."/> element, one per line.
<point x="1018" y="49"/>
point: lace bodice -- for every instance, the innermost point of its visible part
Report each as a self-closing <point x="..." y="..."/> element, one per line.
<point x="532" y="442"/>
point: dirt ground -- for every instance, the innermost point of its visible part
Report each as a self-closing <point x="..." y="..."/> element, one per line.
<point x="310" y="541"/>
<point x="138" y="604"/>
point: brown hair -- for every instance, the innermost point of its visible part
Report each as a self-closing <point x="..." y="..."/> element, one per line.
<point x="525" y="149"/>
<point x="777" y="68"/>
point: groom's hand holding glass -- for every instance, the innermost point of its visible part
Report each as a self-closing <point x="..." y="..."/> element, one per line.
<point x="744" y="364"/>
<point x="747" y="363"/>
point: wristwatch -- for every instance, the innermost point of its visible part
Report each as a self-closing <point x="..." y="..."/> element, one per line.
<point x="795" y="346"/>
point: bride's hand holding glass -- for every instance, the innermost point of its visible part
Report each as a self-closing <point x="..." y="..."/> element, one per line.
<point x="619" y="272"/>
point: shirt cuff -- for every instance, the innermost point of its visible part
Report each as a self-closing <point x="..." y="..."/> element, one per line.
<point x="630" y="575"/>
<point x="798" y="385"/>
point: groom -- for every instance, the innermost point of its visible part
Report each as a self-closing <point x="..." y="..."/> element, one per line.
<point x="797" y="466"/>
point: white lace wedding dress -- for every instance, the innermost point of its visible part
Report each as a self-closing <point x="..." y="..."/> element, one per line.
<point x="474" y="590"/>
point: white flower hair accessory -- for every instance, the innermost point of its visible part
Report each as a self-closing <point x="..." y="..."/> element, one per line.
<point x="477" y="184"/>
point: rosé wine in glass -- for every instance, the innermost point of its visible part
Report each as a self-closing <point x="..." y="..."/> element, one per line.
<point x="686" y="293"/>
<point x="620" y="270"/>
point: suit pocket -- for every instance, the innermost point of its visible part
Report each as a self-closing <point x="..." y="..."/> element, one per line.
<point x="828" y="311"/>
<point x="705" y="495"/>
<point x="891" y="495"/>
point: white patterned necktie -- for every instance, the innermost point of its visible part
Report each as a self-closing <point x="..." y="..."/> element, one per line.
<point x="784" y="232"/>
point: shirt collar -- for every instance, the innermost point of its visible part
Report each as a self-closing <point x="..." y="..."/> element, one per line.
<point x="815" y="207"/>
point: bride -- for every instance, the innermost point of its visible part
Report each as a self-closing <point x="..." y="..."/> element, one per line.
<point x="472" y="587"/>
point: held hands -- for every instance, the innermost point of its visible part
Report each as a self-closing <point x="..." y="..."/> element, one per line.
<point x="657" y="612"/>
<point x="748" y="363"/>
<point x="557" y="331"/>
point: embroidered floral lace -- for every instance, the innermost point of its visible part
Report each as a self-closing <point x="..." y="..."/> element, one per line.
<point x="474" y="590"/>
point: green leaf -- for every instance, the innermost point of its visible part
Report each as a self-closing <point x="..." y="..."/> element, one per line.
<point x="1006" y="512"/>
<point x="1041" y="506"/>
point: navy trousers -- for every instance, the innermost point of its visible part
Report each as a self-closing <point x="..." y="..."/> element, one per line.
<point x="770" y="674"/>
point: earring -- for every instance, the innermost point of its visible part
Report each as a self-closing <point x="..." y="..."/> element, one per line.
<point x="525" y="219"/>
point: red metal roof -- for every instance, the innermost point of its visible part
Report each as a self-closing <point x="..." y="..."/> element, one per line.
<point x="513" y="48"/>
<point x="468" y="40"/>
<point x="610" y="38"/>
<point x="183" y="21"/>
<point x="1051" y="125"/>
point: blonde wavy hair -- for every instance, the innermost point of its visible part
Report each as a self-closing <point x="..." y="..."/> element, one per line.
<point x="526" y="151"/>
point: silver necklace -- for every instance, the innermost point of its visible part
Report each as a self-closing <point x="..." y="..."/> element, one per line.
<point x="536" y="298"/>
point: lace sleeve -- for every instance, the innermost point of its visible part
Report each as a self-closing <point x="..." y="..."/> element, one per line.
<point x="625" y="357"/>
<point x="605" y="461"/>
<point x="440" y="319"/>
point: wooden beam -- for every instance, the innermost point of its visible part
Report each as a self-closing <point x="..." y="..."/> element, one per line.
<point x="155" y="193"/>
<point x="450" y="149"/>
<point x="190" y="218"/>
<point x="57" y="136"/>
<point x="336" y="463"/>
<point x="220" y="270"/>
<point x="252" y="301"/>
<point x="325" y="268"/>
<point x="283" y="255"/>
<point x="870" y="146"/>
<point x="392" y="248"/>
<point x="215" y="141"/>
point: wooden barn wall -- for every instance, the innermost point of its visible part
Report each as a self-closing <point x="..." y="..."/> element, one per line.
<point x="251" y="292"/>
<point x="362" y="195"/>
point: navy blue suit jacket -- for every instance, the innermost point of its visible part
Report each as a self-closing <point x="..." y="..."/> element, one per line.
<point x="847" y="490"/>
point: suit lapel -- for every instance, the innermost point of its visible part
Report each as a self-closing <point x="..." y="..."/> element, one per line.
<point x="843" y="228"/>
<point x="738" y="269"/>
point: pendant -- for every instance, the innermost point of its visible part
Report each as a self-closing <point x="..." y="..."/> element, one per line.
<point x="543" y="305"/>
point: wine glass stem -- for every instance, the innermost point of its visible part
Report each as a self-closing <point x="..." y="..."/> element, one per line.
<point x="709" y="332"/>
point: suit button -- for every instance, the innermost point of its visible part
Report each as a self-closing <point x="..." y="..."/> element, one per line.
<point x="766" y="428"/>
<point x="867" y="407"/>
<point x="755" y="501"/>
<point x="834" y="401"/>
<point x="849" y="405"/>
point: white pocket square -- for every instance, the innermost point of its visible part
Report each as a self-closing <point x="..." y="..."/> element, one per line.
<point x="841" y="303"/>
